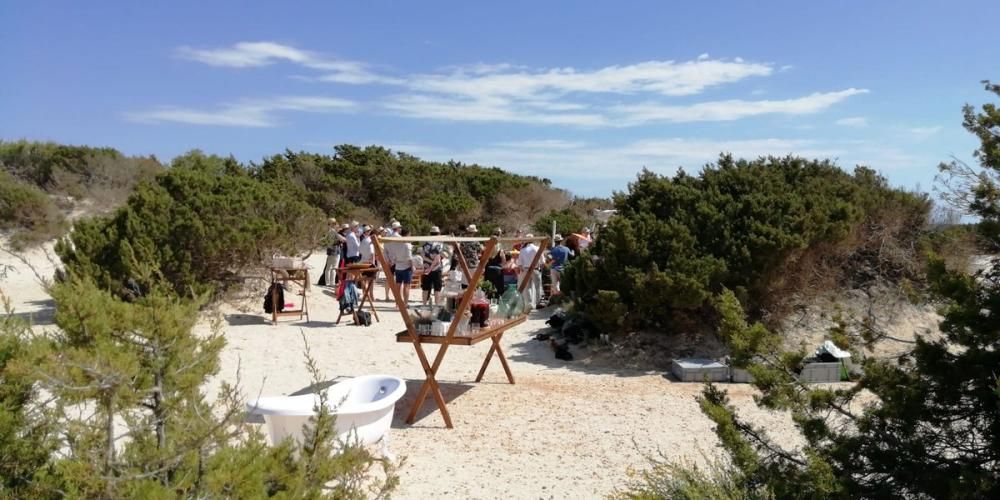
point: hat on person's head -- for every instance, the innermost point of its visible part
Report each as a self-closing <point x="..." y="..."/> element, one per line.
<point x="529" y="235"/>
<point x="345" y="226"/>
<point x="332" y="221"/>
<point x="435" y="230"/>
<point x="557" y="237"/>
<point x="396" y="224"/>
<point x="393" y="220"/>
<point x="498" y="231"/>
<point x="354" y="223"/>
<point x="472" y="228"/>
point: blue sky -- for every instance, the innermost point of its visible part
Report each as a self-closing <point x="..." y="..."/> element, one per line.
<point x="584" y="93"/>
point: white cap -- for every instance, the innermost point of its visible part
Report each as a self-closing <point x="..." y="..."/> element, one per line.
<point x="435" y="230"/>
<point x="396" y="224"/>
<point x="472" y="228"/>
<point x="558" y="237"/>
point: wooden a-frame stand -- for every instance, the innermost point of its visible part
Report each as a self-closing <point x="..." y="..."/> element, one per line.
<point x="473" y="277"/>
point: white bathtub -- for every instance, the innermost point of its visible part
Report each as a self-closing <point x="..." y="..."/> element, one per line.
<point x="363" y="406"/>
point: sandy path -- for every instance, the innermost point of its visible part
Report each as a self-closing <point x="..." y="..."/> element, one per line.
<point x="564" y="430"/>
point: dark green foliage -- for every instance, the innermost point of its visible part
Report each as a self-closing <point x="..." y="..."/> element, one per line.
<point x="418" y="193"/>
<point x="929" y="423"/>
<point x="751" y="226"/>
<point x="567" y="222"/>
<point x="195" y="226"/>
<point x="28" y="212"/>
<point x="27" y="439"/>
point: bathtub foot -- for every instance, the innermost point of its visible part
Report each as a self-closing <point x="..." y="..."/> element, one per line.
<point x="383" y="448"/>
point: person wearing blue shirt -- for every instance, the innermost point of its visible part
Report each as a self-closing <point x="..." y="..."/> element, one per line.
<point x="559" y="255"/>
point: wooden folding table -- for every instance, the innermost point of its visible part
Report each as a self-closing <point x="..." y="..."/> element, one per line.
<point x="365" y="277"/>
<point x="473" y="277"/>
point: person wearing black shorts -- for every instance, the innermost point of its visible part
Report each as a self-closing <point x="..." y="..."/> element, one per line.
<point x="432" y="280"/>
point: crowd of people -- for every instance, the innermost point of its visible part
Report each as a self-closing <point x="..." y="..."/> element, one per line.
<point x="353" y="245"/>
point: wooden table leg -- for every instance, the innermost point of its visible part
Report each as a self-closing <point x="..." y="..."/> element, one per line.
<point x="370" y="296"/>
<point x="495" y="348"/>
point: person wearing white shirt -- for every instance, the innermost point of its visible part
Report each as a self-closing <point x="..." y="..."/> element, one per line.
<point x="400" y="255"/>
<point x="353" y="247"/>
<point x="367" y="249"/>
<point x="533" y="292"/>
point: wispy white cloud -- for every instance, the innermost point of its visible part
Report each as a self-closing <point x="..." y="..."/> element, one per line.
<point x="499" y="109"/>
<point x="257" y="54"/>
<point x="853" y="121"/>
<point x="661" y="77"/>
<point x="612" y="96"/>
<point x="245" y="113"/>
<point x="733" y="109"/>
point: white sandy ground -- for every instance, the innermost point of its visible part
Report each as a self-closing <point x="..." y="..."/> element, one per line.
<point x="564" y="430"/>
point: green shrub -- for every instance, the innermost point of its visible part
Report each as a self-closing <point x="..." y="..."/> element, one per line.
<point x="199" y="223"/>
<point x="567" y="221"/>
<point x="28" y="212"/>
<point x="757" y="227"/>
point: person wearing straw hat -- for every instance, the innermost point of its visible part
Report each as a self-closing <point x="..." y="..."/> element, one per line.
<point x="432" y="277"/>
<point x="471" y="250"/>
<point x="559" y="256"/>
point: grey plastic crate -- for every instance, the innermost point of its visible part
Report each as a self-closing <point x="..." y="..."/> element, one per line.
<point x="699" y="370"/>
<point x="741" y="376"/>
<point x="821" y="372"/>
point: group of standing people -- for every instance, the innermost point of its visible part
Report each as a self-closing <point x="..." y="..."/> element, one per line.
<point x="353" y="244"/>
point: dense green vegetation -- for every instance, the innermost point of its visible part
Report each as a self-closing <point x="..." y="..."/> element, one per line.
<point x="374" y="184"/>
<point x="923" y="425"/>
<point x="761" y="228"/>
<point x="197" y="224"/>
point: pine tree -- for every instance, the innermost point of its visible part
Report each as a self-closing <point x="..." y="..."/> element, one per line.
<point x="126" y="411"/>
<point x="932" y="427"/>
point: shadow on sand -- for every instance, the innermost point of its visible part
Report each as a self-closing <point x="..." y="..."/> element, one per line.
<point x="43" y="312"/>
<point x="525" y="349"/>
<point x="449" y="390"/>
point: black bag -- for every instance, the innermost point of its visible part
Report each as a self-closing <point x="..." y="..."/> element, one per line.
<point x="268" y="304"/>
<point x="364" y="318"/>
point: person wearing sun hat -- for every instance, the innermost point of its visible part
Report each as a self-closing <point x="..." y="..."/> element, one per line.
<point x="471" y="250"/>
<point x="353" y="254"/>
<point x="334" y="243"/>
<point x="432" y="278"/>
<point x="558" y="255"/>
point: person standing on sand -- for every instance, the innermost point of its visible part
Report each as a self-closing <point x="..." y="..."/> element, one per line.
<point x="353" y="245"/>
<point x="367" y="247"/>
<point x="560" y="256"/>
<point x="432" y="279"/>
<point x="400" y="255"/>
<point x="533" y="292"/>
<point x="471" y="250"/>
<point x="334" y="243"/>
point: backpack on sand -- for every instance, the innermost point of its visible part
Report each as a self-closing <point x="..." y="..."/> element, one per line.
<point x="364" y="318"/>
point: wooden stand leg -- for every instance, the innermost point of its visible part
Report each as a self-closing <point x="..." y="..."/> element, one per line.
<point x="430" y="385"/>
<point x="495" y="348"/>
